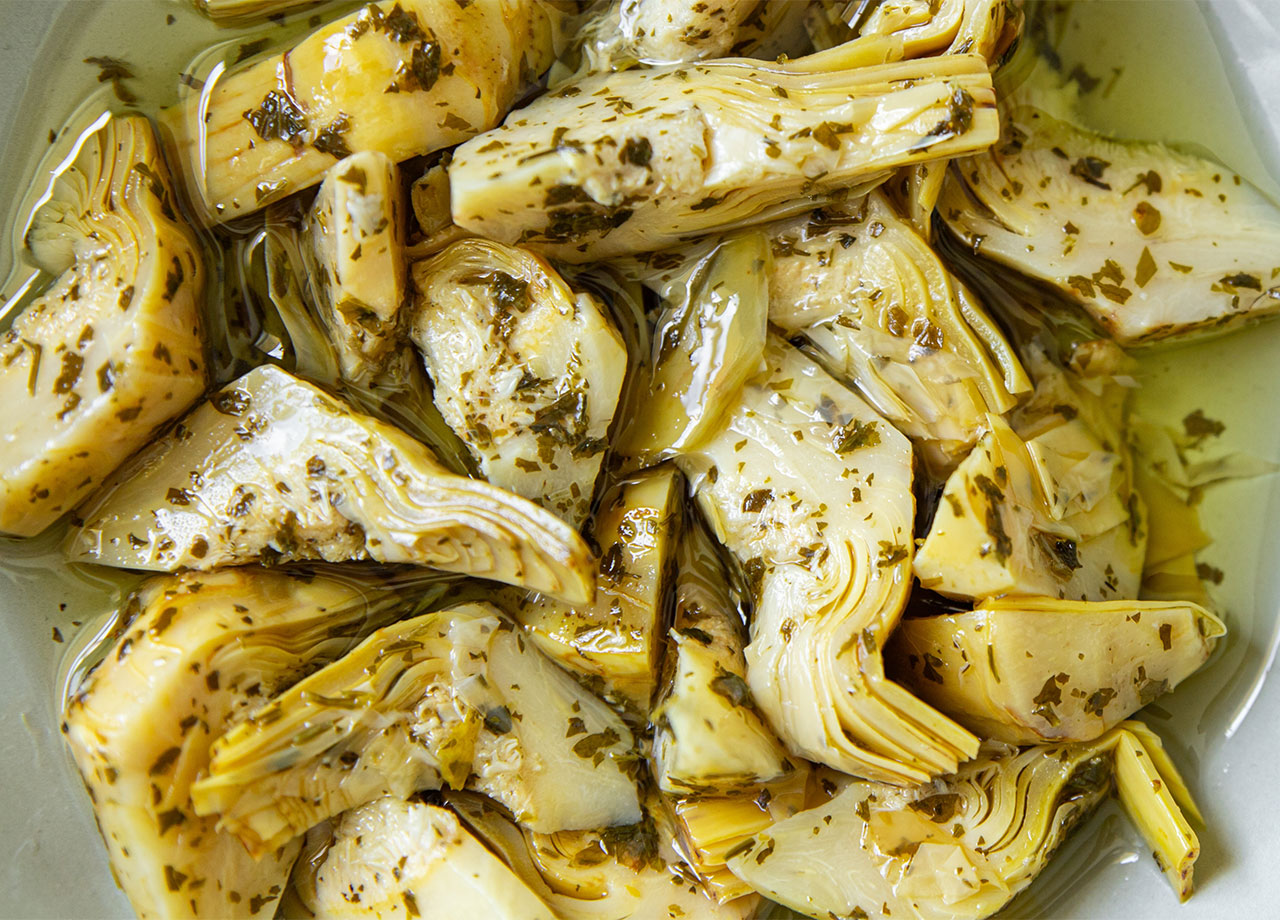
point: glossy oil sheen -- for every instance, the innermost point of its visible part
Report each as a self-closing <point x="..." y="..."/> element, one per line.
<point x="1174" y="85"/>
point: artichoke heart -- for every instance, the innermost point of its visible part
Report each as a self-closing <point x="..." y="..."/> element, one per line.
<point x="632" y="872"/>
<point x="356" y="240"/>
<point x="879" y="310"/>
<point x="526" y="371"/>
<point x="112" y="350"/>
<point x="708" y="736"/>
<point x="456" y="697"/>
<point x="198" y="651"/>
<point x="616" y="640"/>
<point x="273" y="468"/>
<point x="1153" y="243"/>
<point x="961" y="847"/>
<point x="810" y="489"/>
<point x="639" y="160"/>
<point x="916" y="28"/>
<point x="403" y="78"/>
<point x="1025" y="669"/>
<point x="401" y="854"/>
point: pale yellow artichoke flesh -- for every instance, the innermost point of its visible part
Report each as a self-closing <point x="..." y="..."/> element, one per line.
<point x="197" y="654"/>
<point x="811" y="490"/>
<point x="274" y="468"/>
<point x="112" y="350"/>
<point x="527" y="371"/>
<point x="455" y="697"/>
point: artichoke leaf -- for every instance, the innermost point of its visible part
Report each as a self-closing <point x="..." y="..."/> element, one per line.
<point x="355" y="237"/>
<point x="403" y="78"/>
<point x="1016" y="669"/>
<point x="238" y="11"/>
<point x="273" y="468"/>
<point x="112" y="350"/>
<point x="961" y="847"/>
<point x="401" y="854"/>
<point x="810" y="489"/>
<point x="708" y="736"/>
<point x="1153" y="243"/>
<point x="881" y="312"/>
<point x="616" y="640"/>
<point x="759" y="141"/>
<point x="453" y="697"/>
<point x="707" y="341"/>
<point x="197" y="653"/>
<point x="526" y="371"/>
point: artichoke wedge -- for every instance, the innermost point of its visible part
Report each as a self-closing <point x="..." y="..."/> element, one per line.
<point x="526" y="371"/>
<point x="1151" y="242"/>
<point x="408" y="858"/>
<point x="708" y="341"/>
<point x="402" y="78"/>
<point x="916" y="28"/>
<point x="198" y="651"/>
<point x="708" y="736"/>
<point x="642" y="159"/>
<point x="273" y="468"/>
<point x="456" y="697"/>
<point x="355" y="237"/>
<point x="1047" y="507"/>
<point x="1026" y="669"/>
<point x="620" y="873"/>
<point x="880" y="311"/>
<point x="961" y="847"/>
<point x="810" y="489"/>
<point x="616" y="641"/>
<point x="112" y="350"/>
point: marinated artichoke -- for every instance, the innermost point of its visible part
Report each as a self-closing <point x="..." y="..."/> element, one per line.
<point x="880" y="311"/>
<point x="1028" y="669"/>
<point x="526" y="371"/>
<point x="963" y="846"/>
<point x="403" y="79"/>
<point x="273" y="468"/>
<point x="397" y="858"/>
<point x="811" y="490"/>
<point x="1153" y="243"/>
<point x="455" y="697"/>
<point x="640" y="160"/>
<point x="112" y="350"/>
<point x="616" y="640"/>
<point x="196" y="654"/>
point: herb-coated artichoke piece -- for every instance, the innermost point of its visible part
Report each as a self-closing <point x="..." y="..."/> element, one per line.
<point x="273" y="468"/>
<point x="961" y="847"/>
<point x="526" y="371"/>
<point x="705" y="685"/>
<point x="639" y="160"/>
<point x="707" y="342"/>
<point x="1047" y="507"/>
<point x="403" y="78"/>
<point x="1031" y="669"/>
<point x="811" y="490"/>
<point x="881" y="311"/>
<point x="197" y="653"/>
<point x="633" y="872"/>
<point x="355" y="235"/>
<point x="405" y="859"/>
<point x="1153" y="243"/>
<point x="456" y="697"/>
<point x="617" y="638"/>
<point x="112" y="349"/>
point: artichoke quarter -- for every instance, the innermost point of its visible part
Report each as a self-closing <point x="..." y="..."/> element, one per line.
<point x="197" y="653"/>
<point x="642" y="159"/>
<point x="810" y="489"/>
<point x="273" y="468"/>
<point x="526" y="371"/>
<point x="112" y="350"/>
<point x="455" y="697"/>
